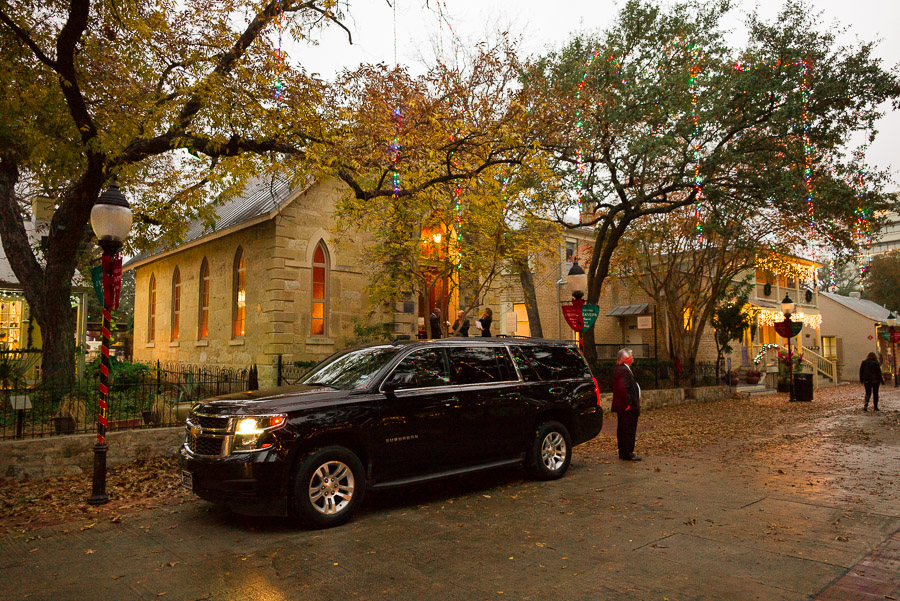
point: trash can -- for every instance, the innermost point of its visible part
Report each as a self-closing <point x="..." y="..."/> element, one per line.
<point x="803" y="387"/>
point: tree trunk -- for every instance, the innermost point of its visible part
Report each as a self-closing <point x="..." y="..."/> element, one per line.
<point x="531" y="306"/>
<point x="48" y="289"/>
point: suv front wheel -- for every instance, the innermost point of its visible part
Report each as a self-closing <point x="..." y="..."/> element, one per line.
<point x="550" y="452"/>
<point x="329" y="487"/>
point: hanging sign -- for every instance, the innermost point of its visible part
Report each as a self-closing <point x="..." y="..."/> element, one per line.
<point x="589" y="315"/>
<point x="112" y="280"/>
<point x="891" y="336"/>
<point x="645" y="322"/>
<point x="97" y="280"/>
<point x="573" y="317"/>
<point x="781" y="327"/>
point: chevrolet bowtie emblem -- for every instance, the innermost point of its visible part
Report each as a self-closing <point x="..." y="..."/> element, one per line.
<point x="195" y="431"/>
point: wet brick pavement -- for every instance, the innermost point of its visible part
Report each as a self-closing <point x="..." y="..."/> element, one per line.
<point x="804" y="520"/>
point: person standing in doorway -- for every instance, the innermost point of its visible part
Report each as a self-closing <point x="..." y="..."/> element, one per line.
<point x="484" y="322"/>
<point x="435" y="319"/>
<point x="461" y="325"/>
<point x="872" y="378"/>
<point x="626" y="403"/>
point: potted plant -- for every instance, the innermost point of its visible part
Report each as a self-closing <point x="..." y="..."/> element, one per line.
<point x="787" y="363"/>
<point x="71" y="412"/>
<point x="752" y="376"/>
<point x="731" y="378"/>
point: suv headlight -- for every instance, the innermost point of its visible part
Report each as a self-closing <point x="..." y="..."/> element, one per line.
<point x="254" y="433"/>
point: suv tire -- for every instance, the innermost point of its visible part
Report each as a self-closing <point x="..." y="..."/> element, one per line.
<point x="329" y="487"/>
<point x="550" y="452"/>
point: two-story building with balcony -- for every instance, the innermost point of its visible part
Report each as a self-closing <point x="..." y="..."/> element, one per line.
<point x="776" y="279"/>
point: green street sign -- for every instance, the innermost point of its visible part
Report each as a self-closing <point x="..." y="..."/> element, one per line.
<point x="97" y="281"/>
<point x="590" y="314"/>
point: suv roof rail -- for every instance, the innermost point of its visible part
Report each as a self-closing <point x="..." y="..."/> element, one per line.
<point x="399" y="338"/>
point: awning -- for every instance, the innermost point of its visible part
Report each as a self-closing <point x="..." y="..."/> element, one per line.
<point x="625" y="310"/>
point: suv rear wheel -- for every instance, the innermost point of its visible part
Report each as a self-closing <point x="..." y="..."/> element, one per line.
<point x="329" y="487"/>
<point x="550" y="452"/>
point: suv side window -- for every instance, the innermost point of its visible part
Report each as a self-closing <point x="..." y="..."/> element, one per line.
<point x="528" y="372"/>
<point x="481" y="365"/>
<point x="422" y="369"/>
<point x="557" y="362"/>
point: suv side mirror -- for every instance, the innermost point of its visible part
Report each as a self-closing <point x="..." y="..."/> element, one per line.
<point x="399" y="380"/>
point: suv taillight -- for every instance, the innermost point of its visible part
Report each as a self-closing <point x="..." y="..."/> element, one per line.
<point x="596" y="390"/>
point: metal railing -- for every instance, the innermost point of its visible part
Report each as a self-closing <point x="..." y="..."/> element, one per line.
<point x="819" y="364"/>
<point x="140" y="396"/>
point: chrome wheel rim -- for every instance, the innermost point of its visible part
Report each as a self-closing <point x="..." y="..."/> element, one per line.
<point x="331" y="487"/>
<point x="553" y="451"/>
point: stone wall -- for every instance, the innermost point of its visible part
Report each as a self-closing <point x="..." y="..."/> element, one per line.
<point x="73" y="455"/>
<point x="651" y="399"/>
<point x="300" y="227"/>
<point x="219" y="348"/>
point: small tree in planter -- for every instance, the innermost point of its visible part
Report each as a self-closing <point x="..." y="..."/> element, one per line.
<point x="785" y="361"/>
<point x="732" y="317"/>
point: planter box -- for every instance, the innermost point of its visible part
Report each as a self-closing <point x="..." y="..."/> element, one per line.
<point x="751" y="380"/>
<point x="63" y="425"/>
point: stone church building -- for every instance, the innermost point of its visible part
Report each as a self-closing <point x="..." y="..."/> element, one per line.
<point x="269" y="278"/>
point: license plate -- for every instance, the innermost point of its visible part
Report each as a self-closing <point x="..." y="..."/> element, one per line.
<point x="187" y="480"/>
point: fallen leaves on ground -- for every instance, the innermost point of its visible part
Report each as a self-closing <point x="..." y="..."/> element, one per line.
<point x="688" y="428"/>
<point x="27" y="504"/>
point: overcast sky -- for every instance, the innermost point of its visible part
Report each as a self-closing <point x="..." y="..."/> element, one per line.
<point x="542" y="24"/>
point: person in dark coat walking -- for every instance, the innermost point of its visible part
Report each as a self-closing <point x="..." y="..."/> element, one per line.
<point x="461" y="325"/>
<point x="485" y="321"/>
<point x="872" y="378"/>
<point x="626" y="402"/>
<point x="435" y="319"/>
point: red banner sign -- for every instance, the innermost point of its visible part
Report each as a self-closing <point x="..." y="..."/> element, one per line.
<point x="112" y="280"/>
<point x="573" y="317"/>
<point x="788" y="329"/>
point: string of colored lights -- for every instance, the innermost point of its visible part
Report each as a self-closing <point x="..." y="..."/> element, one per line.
<point x="807" y="148"/>
<point x="280" y="55"/>
<point x="457" y="189"/>
<point x="863" y="232"/>
<point x="397" y="116"/>
<point x="695" y="118"/>
<point x="579" y="150"/>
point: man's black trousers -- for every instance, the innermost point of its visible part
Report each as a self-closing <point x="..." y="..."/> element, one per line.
<point x="625" y="432"/>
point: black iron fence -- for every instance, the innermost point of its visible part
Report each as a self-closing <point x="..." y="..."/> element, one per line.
<point x="289" y="373"/>
<point x="653" y="373"/>
<point x="140" y="396"/>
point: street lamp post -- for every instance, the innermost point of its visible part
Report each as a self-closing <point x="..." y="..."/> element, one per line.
<point x="577" y="281"/>
<point x="892" y="323"/>
<point x="111" y="220"/>
<point x="787" y="307"/>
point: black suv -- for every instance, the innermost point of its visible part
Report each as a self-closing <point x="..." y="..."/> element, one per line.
<point x="387" y="415"/>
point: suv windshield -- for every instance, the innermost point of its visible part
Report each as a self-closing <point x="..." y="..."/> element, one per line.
<point x="353" y="370"/>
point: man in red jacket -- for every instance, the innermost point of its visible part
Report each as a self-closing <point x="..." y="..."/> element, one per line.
<point x="626" y="403"/>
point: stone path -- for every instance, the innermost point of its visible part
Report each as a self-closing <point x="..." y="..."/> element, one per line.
<point x="806" y="512"/>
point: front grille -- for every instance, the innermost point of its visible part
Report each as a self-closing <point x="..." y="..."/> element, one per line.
<point x="204" y="445"/>
<point x="207" y="421"/>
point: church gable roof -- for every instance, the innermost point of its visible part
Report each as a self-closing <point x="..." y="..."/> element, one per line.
<point x="263" y="197"/>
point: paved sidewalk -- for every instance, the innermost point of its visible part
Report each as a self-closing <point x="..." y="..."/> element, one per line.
<point x="805" y="515"/>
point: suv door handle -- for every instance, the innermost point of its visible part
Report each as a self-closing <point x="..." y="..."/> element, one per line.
<point x="557" y="390"/>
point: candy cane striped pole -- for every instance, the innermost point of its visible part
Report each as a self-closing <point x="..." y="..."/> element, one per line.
<point x="98" y="490"/>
